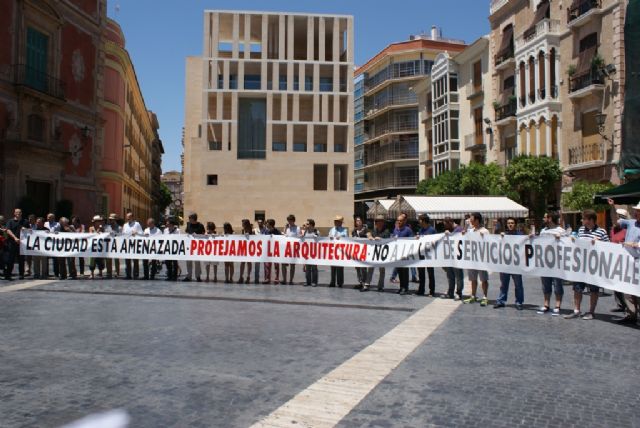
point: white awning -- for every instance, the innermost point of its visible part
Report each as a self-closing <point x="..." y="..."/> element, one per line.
<point x="380" y="207"/>
<point x="439" y="207"/>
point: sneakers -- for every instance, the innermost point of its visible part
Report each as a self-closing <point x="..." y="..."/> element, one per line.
<point x="519" y="306"/>
<point x="556" y="312"/>
<point x="484" y="301"/>
<point x="543" y="310"/>
<point x="572" y="315"/>
<point x="471" y="299"/>
<point x="588" y="316"/>
<point x="498" y="305"/>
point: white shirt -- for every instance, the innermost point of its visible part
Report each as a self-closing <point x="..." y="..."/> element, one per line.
<point x="176" y="231"/>
<point x="53" y="226"/>
<point x="292" y="231"/>
<point x="555" y="231"/>
<point x="150" y="231"/>
<point x="132" y="228"/>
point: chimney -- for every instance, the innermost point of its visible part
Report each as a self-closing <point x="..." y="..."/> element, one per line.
<point x="435" y="33"/>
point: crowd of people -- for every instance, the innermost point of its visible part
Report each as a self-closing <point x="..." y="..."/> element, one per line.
<point x="626" y="231"/>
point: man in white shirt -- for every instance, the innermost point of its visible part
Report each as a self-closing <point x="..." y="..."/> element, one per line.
<point x="475" y="222"/>
<point x="293" y="231"/>
<point x="551" y="227"/>
<point x="54" y="227"/>
<point x="150" y="231"/>
<point x="172" y="265"/>
<point x="131" y="228"/>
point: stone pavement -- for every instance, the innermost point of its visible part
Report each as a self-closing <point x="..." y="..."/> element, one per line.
<point x="203" y="354"/>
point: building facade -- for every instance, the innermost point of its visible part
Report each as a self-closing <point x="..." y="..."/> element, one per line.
<point x="387" y="152"/>
<point x="129" y="174"/>
<point x="269" y="118"/>
<point x="173" y="181"/>
<point x="50" y="109"/>
<point x="559" y="83"/>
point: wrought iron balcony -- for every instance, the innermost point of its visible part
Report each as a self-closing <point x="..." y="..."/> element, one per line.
<point x="473" y="142"/>
<point x="38" y="80"/>
<point x="587" y="154"/>
<point x="504" y="57"/>
<point x="580" y="82"/>
<point x="507" y="110"/>
<point x="580" y="10"/>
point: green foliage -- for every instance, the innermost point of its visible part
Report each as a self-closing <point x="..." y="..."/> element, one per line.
<point x="581" y="196"/>
<point x="533" y="174"/>
<point x="164" y="197"/>
<point x="474" y="179"/>
<point x="447" y="183"/>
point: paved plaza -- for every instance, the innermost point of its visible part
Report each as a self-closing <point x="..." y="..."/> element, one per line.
<point x="220" y="355"/>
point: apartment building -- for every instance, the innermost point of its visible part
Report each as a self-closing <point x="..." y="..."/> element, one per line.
<point x="269" y="118"/>
<point x="129" y="174"/>
<point x="559" y="82"/>
<point x="386" y="148"/>
<point x="454" y="124"/>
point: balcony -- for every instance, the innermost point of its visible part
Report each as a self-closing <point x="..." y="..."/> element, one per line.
<point x="39" y="81"/>
<point x="474" y="142"/>
<point x="426" y="114"/>
<point x="391" y="128"/>
<point x="426" y="157"/>
<point x="474" y="91"/>
<point x="583" y="13"/>
<point x="504" y="60"/>
<point x="381" y="183"/>
<point x="585" y="84"/>
<point x="546" y="27"/>
<point x="495" y="5"/>
<point x="377" y="108"/>
<point x="506" y="112"/>
<point x="587" y="155"/>
<point x="397" y="151"/>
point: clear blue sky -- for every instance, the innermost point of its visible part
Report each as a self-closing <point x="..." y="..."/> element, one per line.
<point x="160" y="34"/>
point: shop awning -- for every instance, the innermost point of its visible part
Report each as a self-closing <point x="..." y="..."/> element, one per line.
<point x="625" y="194"/>
<point x="379" y="207"/>
<point x="439" y="207"/>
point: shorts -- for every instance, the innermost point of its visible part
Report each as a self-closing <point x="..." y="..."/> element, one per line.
<point x="580" y="286"/>
<point x="474" y="275"/>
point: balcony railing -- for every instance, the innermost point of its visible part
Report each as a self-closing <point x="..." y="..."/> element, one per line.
<point x="473" y="141"/>
<point x="425" y="157"/>
<point x="379" y="183"/>
<point x="496" y="4"/>
<point x="546" y="26"/>
<point x="582" y="8"/>
<point x="587" y="153"/>
<point x="390" y="101"/>
<point x="39" y="81"/>
<point x="584" y="80"/>
<point x="396" y="151"/>
<point x="387" y="128"/>
<point x="504" y="56"/>
<point x="506" y="110"/>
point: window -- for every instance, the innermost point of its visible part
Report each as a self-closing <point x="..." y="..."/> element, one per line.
<point x="509" y="83"/>
<point x="212" y="179"/>
<point x="252" y="119"/>
<point x="340" y="178"/>
<point x="299" y="147"/>
<point x="215" y="145"/>
<point x="326" y="84"/>
<point x="477" y="75"/>
<point x="279" y="146"/>
<point x="35" y="127"/>
<point x="37" y="58"/>
<point x="319" y="147"/>
<point x="252" y="81"/>
<point x="320" y="177"/>
<point x="260" y="215"/>
<point x="588" y="42"/>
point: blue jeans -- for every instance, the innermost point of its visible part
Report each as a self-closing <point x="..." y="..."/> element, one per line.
<point x="455" y="278"/>
<point x="505" y="278"/>
<point x="549" y="282"/>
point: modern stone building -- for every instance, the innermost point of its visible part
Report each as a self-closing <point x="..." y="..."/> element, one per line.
<point x="386" y="129"/>
<point x="269" y="118"/>
<point x="129" y="174"/>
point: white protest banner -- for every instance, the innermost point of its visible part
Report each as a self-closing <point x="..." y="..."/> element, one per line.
<point x="604" y="264"/>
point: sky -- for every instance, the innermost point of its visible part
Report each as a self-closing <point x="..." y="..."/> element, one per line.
<point x="161" y="34"/>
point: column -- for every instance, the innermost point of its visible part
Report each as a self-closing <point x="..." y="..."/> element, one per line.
<point x="547" y="75"/>
<point x="559" y="144"/>
<point x="235" y="35"/>
<point x="281" y="37"/>
<point x="265" y="38"/>
<point x="557" y="75"/>
<point x="310" y="34"/>
<point x="247" y="36"/>
<point x="548" y="136"/>
<point x="537" y="125"/>
<point x="527" y="82"/>
<point x="320" y="39"/>
<point x="536" y="77"/>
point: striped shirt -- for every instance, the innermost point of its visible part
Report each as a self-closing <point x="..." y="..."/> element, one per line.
<point x="595" y="233"/>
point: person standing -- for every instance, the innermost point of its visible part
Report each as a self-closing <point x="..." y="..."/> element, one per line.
<point x="426" y="229"/>
<point x="291" y="230"/>
<point x="29" y="259"/>
<point x="114" y="228"/>
<point x="54" y="227"/>
<point x="228" y="266"/>
<point x="150" y="267"/>
<point x="402" y="231"/>
<point x="475" y="220"/>
<point x="455" y="276"/>
<point x="259" y="230"/>
<point x="505" y="278"/>
<point x="66" y="265"/>
<point x="552" y="227"/>
<point x="271" y="230"/>
<point x="78" y="227"/>
<point x="378" y="232"/>
<point x="618" y="235"/>
<point x="40" y="270"/>
<point x="632" y="242"/>
<point x="208" y="266"/>
<point x="311" y="271"/>
<point x="172" y="265"/>
<point x="247" y="230"/>
<point x="194" y="227"/>
<point x="131" y="228"/>
<point x="15" y="225"/>
<point x="360" y="231"/>
<point x="97" y="226"/>
<point x="336" y="232"/>
<point x="591" y="231"/>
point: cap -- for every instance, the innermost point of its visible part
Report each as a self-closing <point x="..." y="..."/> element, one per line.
<point x="623" y="213"/>
<point x="113" y="216"/>
<point x="637" y="207"/>
<point x="97" y="218"/>
<point x="379" y="217"/>
<point x="338" y="218"/>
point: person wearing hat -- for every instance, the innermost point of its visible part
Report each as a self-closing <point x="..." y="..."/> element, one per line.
<point x="378" y="232"/>
<point x="632" y="241"/>
<point x="97" y="226"/>
<point x="336" y="232"/>
<point x="113" y="227"/>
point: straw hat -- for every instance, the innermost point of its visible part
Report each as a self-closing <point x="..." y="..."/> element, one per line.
<point x="623" y="213"/>
<point x="338" y="218"/>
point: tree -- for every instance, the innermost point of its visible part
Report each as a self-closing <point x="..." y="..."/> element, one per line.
<point x="164" y="197"/>
<point x="581" y="196"/>
<point x="447" y="183"/>
<point x="472" y="179"/>
<point x="534" y="179"/>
